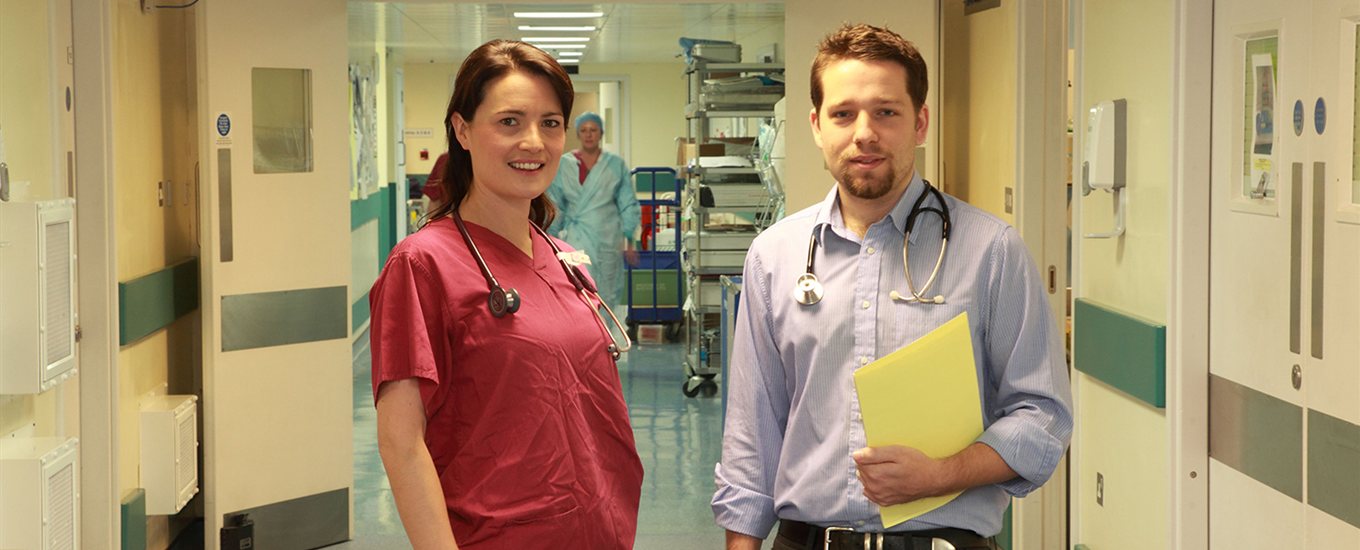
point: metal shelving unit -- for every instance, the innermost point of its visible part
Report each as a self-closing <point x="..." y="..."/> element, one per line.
<point x="711" y="252"/>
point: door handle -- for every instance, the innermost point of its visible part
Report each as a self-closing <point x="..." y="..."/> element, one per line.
<point x="1296" y="258"/>
<point x="1319" y="252"/>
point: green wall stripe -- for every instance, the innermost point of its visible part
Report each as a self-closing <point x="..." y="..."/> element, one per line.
<point x="152" y="302"/>
<point x="1334" y="466"/>
<point x="1122" y="350"/>
<point x="378" y="206"/>
<point x="1257" y="434"/>
<point x="132" y="513"/>
<point x="1003" y="539"/>
<point x="359" y="312"/>
<point x="285" y="317"/>
<point x="312" y="521"/>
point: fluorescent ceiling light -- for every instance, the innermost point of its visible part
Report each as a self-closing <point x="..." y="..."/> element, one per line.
<point x="571" y="54"/>
<point x="555" y="29"/>
<point x="556" y="39"/>
<point x="543" y="46"/>
<point x="558" y="14"/>
<point x="568" y="61"/>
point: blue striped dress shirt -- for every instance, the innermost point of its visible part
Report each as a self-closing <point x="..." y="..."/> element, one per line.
<point x="793" y="418"/>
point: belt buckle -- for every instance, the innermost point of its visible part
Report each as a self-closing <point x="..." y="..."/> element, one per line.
<point x="868" y="538"/>
<point x="937" y="543"/>
<point x="826" y="535"/>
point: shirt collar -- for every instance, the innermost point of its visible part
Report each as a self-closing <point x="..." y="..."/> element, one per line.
<point x="829" y="212"/>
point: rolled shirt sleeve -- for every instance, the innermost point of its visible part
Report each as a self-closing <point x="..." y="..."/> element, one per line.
<point x="1027" y="366"/>
<point x="757" y="414"/>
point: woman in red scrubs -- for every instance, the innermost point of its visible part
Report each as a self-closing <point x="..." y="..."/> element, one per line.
<point x="500" y="430"/>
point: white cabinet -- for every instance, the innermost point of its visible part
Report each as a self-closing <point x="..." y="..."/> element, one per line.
<point x="40" y="503"/>
<point x="37" y="295"/>
<point x="169" y="465"/>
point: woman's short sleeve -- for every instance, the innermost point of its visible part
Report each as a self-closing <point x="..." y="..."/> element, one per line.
<point x="408" y="326"/>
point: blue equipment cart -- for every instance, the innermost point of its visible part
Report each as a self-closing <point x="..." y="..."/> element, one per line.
<point x="656" y="284"/>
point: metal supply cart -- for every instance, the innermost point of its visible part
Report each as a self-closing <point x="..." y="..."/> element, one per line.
<point x="656" y="283"/>
<point x="728" y="199"/>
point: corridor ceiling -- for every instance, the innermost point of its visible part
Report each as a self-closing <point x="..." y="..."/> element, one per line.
<point x="640" y="32"/>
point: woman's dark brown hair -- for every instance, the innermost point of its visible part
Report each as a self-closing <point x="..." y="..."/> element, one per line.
<point x="482" y="67"/>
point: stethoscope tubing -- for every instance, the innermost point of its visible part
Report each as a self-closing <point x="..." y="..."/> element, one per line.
<point x="578" y="280"/>
<point x="808" y="290"/>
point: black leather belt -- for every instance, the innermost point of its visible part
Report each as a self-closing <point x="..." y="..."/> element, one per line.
<point x="843" y="538"/>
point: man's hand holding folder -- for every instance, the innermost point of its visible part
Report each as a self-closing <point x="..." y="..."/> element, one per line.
<point x="922" y="411"/>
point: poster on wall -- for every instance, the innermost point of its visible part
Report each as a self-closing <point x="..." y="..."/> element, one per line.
<point x="363" y="143"/>
<point x="1263" y="127"/>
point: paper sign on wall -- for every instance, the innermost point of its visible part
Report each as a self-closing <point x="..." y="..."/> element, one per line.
<point x="222" y="126"/>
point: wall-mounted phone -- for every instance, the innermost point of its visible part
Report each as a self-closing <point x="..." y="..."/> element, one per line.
<point x="1104" y="163"/>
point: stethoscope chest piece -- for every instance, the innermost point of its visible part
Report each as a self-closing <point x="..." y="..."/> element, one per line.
<point x="502" y="301"/>
<point x="808" y="290"/>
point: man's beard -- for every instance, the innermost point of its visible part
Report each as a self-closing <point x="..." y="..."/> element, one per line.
<point x="867" y="186"/>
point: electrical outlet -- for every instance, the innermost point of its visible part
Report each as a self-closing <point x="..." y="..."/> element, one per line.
<point x="1010" y="200"/>
<point x="160" y="194"/>
<point x="1100" y="489"/>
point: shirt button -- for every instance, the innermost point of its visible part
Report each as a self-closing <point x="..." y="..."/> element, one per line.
<point x="863" y="361"/>
<point x="871" y="251"/>
<point x="859" y="523"/>
<point x="865" y="304"/>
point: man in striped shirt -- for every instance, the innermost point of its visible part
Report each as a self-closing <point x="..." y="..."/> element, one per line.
<point x="794" y="450"/>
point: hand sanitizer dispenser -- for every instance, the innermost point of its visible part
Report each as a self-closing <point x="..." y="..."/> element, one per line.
<point x="1105" y="164"/>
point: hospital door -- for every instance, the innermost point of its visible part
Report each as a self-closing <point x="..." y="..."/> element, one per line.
<point x="1284" y="386"/>
<point x="276" y="267"/>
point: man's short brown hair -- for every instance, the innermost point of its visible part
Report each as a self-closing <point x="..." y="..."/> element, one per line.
<point x="870" y="43"/>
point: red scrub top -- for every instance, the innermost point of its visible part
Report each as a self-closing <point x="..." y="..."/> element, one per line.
<point x="526" y="419"/>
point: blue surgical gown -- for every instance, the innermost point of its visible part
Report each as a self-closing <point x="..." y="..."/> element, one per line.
<point x="596" y="216"/>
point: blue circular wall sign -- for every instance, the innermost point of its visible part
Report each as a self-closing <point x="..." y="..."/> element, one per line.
<point x="1320" y="116"/>
<point x="1298" y="117"/>
<point x="223" y="125"/>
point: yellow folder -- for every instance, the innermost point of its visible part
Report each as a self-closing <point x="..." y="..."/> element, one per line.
<point x="923" y="396"/>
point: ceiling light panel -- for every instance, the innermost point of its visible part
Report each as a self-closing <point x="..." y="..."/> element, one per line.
<point x="556" y="29"/>
<point x="556" y="39"/>
<point x="558" y="14"/>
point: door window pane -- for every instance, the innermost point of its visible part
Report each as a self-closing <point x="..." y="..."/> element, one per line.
<point x="1355" y="134"/>
<point x="281" y="109"/>
<point x="1260" y="116"/>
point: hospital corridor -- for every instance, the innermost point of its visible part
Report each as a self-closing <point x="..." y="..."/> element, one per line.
<point x="888" y="274"/>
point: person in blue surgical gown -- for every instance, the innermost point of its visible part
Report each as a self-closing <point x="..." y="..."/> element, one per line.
<point x="597" y="208"/>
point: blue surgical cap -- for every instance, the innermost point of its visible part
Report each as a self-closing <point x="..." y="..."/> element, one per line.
<point x="589" y="117"/>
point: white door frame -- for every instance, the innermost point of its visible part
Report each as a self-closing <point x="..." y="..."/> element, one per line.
<point x="92" y="42"/>
<point x="1040" y="520"/>
<point x="1187" y="344"/>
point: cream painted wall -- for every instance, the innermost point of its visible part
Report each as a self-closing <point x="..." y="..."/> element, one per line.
<point x="26" y="102"/>
<point x="1116" y="434"/>
<point x="978" y="101"/>
<point x="428" y="86"/>
<point x="154" y="140"/>
<point x="805" y="23"/>
<point x="656" y="108"/>
<point x="1133" y="62"/>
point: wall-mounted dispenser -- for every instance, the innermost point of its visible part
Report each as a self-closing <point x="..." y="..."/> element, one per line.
<point x="1105" y="162"/>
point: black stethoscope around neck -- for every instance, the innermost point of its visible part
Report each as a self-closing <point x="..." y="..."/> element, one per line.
<point x="808" y="290"/>
<point x="502" y="301"/>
